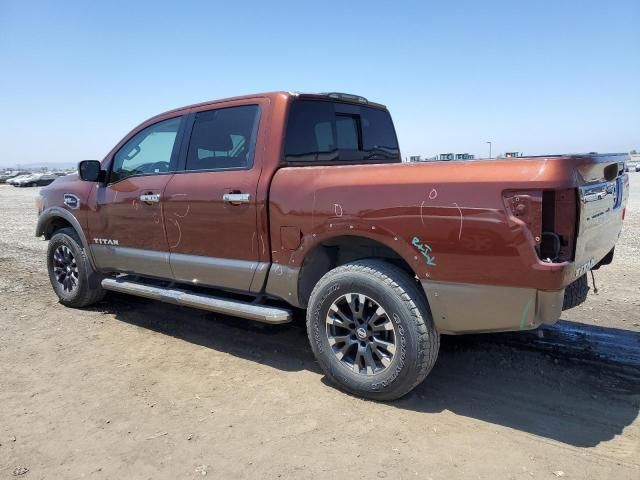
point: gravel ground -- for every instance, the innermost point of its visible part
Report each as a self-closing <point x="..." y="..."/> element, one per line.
<point x="136" y="389"/>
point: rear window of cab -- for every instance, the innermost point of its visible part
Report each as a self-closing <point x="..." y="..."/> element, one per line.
<point x="332" y="132"/>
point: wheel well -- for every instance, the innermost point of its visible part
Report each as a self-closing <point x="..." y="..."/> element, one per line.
<point x="54" y="225"/>
<point x="338" y="251"/>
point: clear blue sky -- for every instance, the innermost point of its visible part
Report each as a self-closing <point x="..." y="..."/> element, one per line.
<point x="537" y="76"/>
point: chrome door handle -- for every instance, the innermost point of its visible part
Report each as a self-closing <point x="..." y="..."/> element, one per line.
<point x="236" y="198"/>
<point x="150" y="198"/>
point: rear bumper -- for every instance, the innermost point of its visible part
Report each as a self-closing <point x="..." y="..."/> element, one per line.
<point x="470" y="308"/>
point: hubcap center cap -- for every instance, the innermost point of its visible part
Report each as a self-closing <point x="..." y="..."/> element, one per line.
<point x="361" y="333"/>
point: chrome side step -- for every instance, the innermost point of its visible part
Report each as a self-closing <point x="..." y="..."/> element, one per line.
<point x="199" y="300"/>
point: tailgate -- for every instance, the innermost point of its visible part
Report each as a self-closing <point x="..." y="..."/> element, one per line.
<point x="602" y="198"/>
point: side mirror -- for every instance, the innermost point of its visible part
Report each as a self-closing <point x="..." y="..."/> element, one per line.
<point x="90" y="171"/>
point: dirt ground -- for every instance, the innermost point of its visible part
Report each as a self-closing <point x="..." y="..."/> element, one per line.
<point x="135" y="389"/>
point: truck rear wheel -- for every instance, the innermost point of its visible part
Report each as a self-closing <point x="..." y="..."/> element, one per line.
<point x="576" y="293"/>
<point x="371" y="330"/>
<point x="70" y="272"/>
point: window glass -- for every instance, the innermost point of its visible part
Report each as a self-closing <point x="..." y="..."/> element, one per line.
<point x="378" y="131"/>
<point x="223" y="138"/>
<point x="148" y="152"/>
<point x="347" y="132"/>
<point x="323" y="131"/>
<point x="324" y="137"/>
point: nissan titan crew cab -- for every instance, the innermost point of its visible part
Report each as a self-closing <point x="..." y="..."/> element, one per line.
<point x="251" y="205"/>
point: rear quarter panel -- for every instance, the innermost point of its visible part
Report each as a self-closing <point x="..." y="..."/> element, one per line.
<point x="446" y="220"/>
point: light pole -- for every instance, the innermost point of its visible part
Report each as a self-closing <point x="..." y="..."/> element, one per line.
<point x="489" y="150"/>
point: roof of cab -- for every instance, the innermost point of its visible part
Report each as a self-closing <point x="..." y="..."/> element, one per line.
<point x="333" y="96"/>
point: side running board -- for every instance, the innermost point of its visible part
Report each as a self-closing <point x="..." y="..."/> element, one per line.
<point x="199" y="300"/>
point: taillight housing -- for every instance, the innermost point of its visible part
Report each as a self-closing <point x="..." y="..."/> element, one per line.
<point x="527" y="207"/>
<point x="559" y="225"/>
<point x="550" y="217"/>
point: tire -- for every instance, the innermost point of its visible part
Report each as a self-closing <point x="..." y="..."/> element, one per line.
<point x="576" y="293"/>
<point x="82" y="285"/>
<point x="404" y="321"/>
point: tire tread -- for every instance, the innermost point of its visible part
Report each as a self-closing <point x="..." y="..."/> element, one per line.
<point x="89" y="295"/>
<point x="576" y="293"/>
<point x="406" y="289"/>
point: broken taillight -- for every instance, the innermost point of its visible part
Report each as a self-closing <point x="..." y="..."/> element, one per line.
<point x="559" y="224"/>
<point x="550" y="217"/>
<point x="527" y="207"/>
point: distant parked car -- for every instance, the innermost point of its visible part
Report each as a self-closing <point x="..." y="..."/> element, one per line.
<point x="633" y="164"/>
<point x="35" y="180"/>
<point x="21" y="180"/>
<point x="5" y="177"/>
<point x="13" y="180"/>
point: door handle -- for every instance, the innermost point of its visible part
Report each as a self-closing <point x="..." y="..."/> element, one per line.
<point x="236" y="198"/>
<point x="150" y="198"/>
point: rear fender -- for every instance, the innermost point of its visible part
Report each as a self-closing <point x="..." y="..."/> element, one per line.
<point x="288" y="267"/>
<point x="389" y="239"/>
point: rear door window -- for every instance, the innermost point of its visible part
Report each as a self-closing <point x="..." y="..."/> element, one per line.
<point x="323" y="131"/>
<point x="223" y="138"/>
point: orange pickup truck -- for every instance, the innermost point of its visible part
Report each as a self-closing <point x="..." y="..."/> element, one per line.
<point x="252" y="205"/>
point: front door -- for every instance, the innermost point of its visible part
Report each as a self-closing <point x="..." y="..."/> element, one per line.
<point x="126" y="231"/>
<point x="210" y="207"/>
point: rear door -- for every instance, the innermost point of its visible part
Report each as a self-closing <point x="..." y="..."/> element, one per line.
<point x="126" y="230"/>
<point x="210" y="207"/>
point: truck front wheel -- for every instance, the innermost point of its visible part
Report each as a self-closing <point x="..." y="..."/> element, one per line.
<point x="70" y="272"/>
<point x="371" y="331"/>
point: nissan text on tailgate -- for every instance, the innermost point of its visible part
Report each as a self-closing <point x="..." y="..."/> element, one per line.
<point x="252" y="205"/>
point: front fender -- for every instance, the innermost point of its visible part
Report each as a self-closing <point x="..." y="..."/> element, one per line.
<point x="48" y="216"/>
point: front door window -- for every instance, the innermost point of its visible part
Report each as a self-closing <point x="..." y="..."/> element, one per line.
<point x="148" y="152"/>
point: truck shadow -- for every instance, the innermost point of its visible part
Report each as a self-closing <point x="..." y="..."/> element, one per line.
<point x="489" y="378"/>
<point x="552" y="396"/>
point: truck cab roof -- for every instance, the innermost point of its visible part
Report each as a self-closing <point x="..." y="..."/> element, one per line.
<point x="282" y="95"/>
